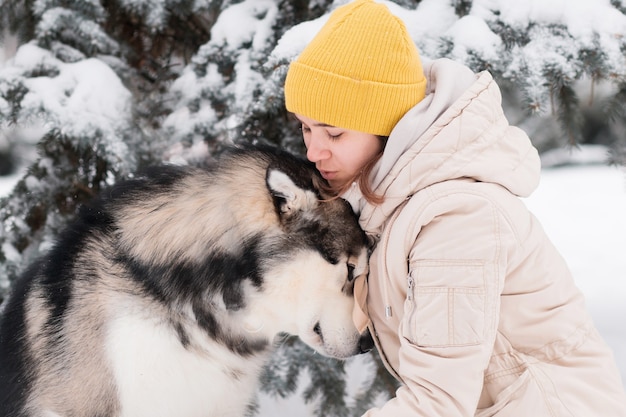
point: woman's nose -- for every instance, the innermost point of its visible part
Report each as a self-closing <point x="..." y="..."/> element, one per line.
<point x="317" y="150"/>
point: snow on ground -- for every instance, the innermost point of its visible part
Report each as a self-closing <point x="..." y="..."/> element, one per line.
<point x="583" y="211"/>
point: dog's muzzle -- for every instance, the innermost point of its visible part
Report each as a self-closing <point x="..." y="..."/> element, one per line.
<point x="366" y="343"/>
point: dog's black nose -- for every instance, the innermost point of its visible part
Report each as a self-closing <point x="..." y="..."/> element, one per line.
<point x="366" y="343"/>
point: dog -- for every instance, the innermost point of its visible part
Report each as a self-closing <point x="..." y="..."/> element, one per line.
<point x="167" y="294"/>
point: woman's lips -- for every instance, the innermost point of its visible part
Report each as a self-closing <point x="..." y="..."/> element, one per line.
<point x="328" y="175"/>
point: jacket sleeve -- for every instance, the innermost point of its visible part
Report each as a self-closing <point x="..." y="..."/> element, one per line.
<point x="457" y="267"/>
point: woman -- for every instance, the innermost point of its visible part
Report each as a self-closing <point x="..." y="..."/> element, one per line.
<point x="471" y="307"/>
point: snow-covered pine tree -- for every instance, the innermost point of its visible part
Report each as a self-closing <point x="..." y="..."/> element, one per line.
<point x="230" y="91"/>
<point x="88" y="84"/>
<point x="105" y="87"/>
<point x="45" y="92"/>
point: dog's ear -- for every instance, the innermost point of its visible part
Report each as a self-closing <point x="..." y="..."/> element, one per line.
<point x="288" y="198"/>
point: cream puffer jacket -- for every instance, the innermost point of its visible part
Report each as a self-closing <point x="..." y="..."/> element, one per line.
<point x="471" y="307"/>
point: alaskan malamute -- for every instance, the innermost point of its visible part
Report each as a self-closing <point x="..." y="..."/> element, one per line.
<point x="166" y="296"/>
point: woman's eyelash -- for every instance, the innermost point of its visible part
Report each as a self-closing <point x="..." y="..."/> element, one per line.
<point x="334" y="137"/>
<point x="305" y="129"/>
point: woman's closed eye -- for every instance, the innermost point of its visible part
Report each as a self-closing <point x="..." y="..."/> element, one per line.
<point x="333" y="135"/>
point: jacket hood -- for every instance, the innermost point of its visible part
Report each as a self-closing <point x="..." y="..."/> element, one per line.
<point x="457" y="131"/>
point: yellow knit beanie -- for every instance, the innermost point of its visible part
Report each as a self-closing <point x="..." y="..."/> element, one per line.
<point x="361" y="72"/>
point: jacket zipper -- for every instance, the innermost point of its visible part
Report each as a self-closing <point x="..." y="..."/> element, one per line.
<point x="385" y="242"/>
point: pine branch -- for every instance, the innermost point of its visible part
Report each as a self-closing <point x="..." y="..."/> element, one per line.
<point x="568" y="112"/>
<point x="16" y="18"/>
<point x="380" y="387"/>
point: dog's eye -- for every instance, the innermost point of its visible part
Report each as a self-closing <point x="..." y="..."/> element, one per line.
<point x="350" y="272"/>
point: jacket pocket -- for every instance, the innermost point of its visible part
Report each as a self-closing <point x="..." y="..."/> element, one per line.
<point x="446" y="303"/>
<point x="526" y="396"/>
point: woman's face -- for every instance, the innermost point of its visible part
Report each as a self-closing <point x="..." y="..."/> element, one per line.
<point x="339" y="154"/>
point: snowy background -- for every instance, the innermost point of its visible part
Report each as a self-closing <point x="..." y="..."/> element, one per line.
<point x="581" y="202"/>
<point x="582" y="209"/>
